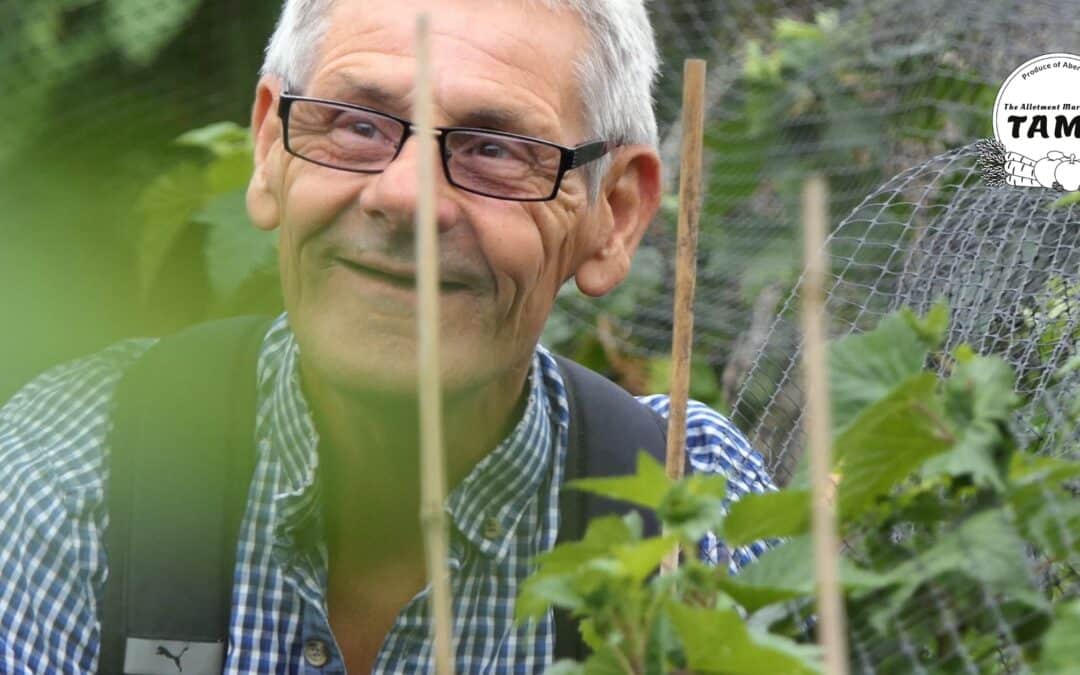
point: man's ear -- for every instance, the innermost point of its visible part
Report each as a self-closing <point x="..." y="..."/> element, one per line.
<point x="262" y="202"/>
<point x="629" y="198"/>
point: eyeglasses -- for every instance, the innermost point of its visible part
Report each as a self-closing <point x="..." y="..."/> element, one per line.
<point x="491" y="163"/>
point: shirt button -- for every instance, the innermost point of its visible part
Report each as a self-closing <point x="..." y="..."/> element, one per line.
<point x="492" y="528"/>
<point x="264" y="446"/>
<point x="315" y="653"/>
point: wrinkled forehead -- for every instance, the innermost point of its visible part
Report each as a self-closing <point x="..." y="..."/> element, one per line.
<point x="513" y="63"/>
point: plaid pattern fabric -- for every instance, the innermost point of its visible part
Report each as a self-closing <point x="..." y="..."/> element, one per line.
<point x="53" y="567"/>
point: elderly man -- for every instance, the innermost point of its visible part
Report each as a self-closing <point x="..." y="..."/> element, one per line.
<point x="549" y="173"/>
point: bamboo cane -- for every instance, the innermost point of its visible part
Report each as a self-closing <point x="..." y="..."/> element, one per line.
<point x="826" y="545"/>
<point x="693" y="125"/>
<point x="433" y="471"/>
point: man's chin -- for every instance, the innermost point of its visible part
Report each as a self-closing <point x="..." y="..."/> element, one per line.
<point x="379" y="353"/>
<point x="381" y="369"/>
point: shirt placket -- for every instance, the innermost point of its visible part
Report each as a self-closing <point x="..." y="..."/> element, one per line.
<point x="321" y="654"/>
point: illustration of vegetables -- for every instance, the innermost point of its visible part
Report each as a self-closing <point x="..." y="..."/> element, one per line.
<point x="1006" y="167"/>
<point x="1046" y="167"/>
<point x="1067" y="174"/>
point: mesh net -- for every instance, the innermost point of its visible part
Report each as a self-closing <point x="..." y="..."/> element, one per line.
<point x="1007" y="261"/>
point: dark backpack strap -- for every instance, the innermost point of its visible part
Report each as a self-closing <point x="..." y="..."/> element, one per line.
<point x="607" y="428"/>
<point x="181" y="455"/>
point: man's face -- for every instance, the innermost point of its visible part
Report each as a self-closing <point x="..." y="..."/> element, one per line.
<point x="347" y="239"/>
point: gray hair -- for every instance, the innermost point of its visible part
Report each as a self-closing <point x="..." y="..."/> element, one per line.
<point x="615" y="75"/>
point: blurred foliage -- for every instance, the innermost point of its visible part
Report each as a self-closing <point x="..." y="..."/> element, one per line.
<point x="92" y="106"/>
<point x="203" y="196"/>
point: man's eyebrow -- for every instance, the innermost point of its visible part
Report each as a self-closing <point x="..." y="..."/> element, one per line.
<point x="492" y="118"/>
<point x="348" y="88"/>
<point x="501" y="119"/>
<point x="351" y="89"/>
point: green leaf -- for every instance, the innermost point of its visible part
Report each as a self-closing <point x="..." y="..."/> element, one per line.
<point x="1026" y="469"/>
<point x="763" y="516"/>
<point x="694" y="506"/>
<point x="589" y="635"/>
<point x="887" y="442"/>
<point x="604" y="662"/>
<point x="142" y="28"/>
<point x="221" y="139"/>
<point x="602" y="536"/>
<point x="718" y="641"/>
<point x="165" y="209"/>
<point x="970" y="457"/>
<point x="787" y="571"/>
<point x="235" y="249"/>
<point x="986" y="384"/>
<point x="863" y="368"/>
<point x="539" y="592"/>
<point x="980" y="401"/>
<point x="1048" y="515"/>
<point x="646" y="488"/>
<point x="933" y="327"/>
<point x="565" y="667"/>
<point x="1067" y="200"/>
<point x="711" y="486"/>
<point x="985" y="548"/>
<point x="229" y="172"/>
<point x="662" y="647"/>
<point x="1054" y="527"/>
<point x="1059" y="652"/>
<point x="641" y="559"/>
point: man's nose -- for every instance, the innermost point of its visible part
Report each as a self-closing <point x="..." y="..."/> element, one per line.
<point x="395" y="192"/>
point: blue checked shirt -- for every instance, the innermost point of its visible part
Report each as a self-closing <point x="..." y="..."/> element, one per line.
<point x="52" y="516"/>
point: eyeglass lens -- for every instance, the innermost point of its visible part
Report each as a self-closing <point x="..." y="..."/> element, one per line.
<point x="365" y="141"/>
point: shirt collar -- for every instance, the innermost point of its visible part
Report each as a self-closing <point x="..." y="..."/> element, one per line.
<point x="486" y="507"/>
<point x="287" y="434"/>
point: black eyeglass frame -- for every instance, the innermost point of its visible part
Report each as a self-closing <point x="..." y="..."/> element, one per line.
<point x="570" y="158"/>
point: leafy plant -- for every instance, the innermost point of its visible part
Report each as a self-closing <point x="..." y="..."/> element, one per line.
<point x="204" y="196"/>
<point x="936" y="504"/>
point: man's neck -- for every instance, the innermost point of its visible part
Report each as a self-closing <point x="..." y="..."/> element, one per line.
<point x="369" y="457"/>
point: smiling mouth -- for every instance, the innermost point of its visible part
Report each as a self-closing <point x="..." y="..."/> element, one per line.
<point x="403" y="281"/>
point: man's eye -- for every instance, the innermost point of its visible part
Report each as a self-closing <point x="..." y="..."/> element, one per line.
<point x="488" y="149"/>
<point x="358" y="126"/>
<point x="491" y="150"/>
<point x="365" y="129"/>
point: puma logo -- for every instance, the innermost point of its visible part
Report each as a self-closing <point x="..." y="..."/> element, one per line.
<point x="175" y="658"/>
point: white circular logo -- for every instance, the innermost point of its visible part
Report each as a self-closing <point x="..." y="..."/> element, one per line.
<point x="1037" y="120"/>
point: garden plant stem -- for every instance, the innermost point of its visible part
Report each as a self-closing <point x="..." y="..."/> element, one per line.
<point x="682" y="339"/>
<point x="432" y="462"/>
<point x="833" y="635"/>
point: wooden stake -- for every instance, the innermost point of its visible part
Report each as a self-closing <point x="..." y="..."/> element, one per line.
<point x="815" y="206"/>
<point x="432" y="462"/>
<point x="682" y="340"/>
